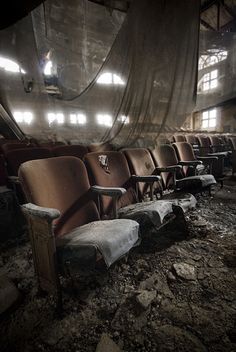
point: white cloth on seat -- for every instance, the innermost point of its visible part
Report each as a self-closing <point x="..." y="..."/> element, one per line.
<point x="153" y="211"/>
<point x="113" y="239"/>
<point x="185" y="201"/>
<point x="199" y="181"/>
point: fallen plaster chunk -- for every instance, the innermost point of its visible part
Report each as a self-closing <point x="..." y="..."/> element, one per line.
<point x="145" y="298"/>
<point x="185" y="271"/>
<point x="106" y="344"/>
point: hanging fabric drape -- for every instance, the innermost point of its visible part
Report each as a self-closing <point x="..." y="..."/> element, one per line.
<point x="129" y="76"/>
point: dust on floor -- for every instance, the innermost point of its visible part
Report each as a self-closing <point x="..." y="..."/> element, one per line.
<point x="179" y="295"/>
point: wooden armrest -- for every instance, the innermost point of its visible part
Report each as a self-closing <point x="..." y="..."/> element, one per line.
<point x="207" y="158"/>
<point x="109" y="191"/>
<point x="40" y="212"/>
<point x="171" y="169"/>
<point x="148" y="178"/>
<point x="190" y="163"/>
<point x="113" y="192"/>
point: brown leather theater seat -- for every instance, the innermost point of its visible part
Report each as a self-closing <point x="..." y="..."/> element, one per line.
<point x="7" y="147"/>
<point x="179" y="138"/>
<point x="15" y="158"/>
<point x="110" y="169"/>
<point x="100" y="147"/>
<point x="76" y="150"/>
<point x="50" y="144"/>
<point x="217" y="144"/>
<point x="206" y="150"/>
<point x="64" y="221"/>
<point x="5" y="141"/>
<point x="172" y="173"/>
<point x="197" y="165"/>
<point x="141" y="164"/>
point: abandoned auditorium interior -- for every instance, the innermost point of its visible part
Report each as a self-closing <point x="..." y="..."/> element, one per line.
<point x="118" y="176"/>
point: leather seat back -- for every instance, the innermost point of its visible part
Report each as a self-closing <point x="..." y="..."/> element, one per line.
<point x="61" y="183"/>
<point x="110" y="169"/>
<point x="232" y="142"/>
<point x="184" y="151"/>
<point x="141" y="164"/>
<point x="190" y="138"/>
<point x="7" y="147"/>
<point x="165" y="155"/>
<point x="179" y="138"/>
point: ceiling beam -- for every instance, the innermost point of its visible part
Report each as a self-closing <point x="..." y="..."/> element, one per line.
<point x="207" y="25"/>
<point x="208" y="4"/>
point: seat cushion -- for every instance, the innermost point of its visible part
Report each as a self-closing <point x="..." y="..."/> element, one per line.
<point x="196" y="182"/>
<point x="152" y="212"/>
<point x="112" y="238"/>
<point x="186" y="201"/>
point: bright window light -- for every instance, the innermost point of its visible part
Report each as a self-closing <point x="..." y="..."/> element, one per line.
<point x="210" y="80"/>
<point x="81" y="119"/>
<point x="214" y="56"/>
<point x="105" y="78"/>
<point x="110" y="78"/>
<point x="18" y="116"/>
<point x="117" y="79"/>
<point x="104" y="119"/>
<point x="73" y="119"/>
<point x="78" y="119"/>
<point x="58" y="117"/>
<point x="28" y="117"/>
<point x="10" y="65"/>
<point x="209" y="119"/>
<point x="48" y="68"/>
<point x="23" y="117"/>
<point x="124" y="119"/>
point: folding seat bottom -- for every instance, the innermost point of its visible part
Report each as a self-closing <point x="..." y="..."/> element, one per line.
<point x="196" y="182"/>
<point x="186" y="201"/>
<point x="152" y="212"/>
<point x="112" y="238"/>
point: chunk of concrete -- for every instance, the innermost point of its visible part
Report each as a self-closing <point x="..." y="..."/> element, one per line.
<point x="185" y="271"/>
<point x="106" y="344"/>
<point x="145" y="298"/>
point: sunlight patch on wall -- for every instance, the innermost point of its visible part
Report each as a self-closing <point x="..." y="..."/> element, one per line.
<point x="23" y="117"/>
<point x="110" y="78"/>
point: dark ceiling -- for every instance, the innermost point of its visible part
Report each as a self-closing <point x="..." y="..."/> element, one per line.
<point x="215" y="14"/>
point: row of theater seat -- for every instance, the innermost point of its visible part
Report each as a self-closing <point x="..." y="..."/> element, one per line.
<point x="68" y="198"/>
<point x="162" y="156"/>
<point x="12" y="144"/>
<point x="106" y="184"/>
<point x="205" y="142"/>
<point x="15" y="157"/>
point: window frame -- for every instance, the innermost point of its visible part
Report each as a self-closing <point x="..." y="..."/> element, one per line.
<point x="209" y="116"/>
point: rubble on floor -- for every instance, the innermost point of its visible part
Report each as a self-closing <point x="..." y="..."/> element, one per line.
<point x="175" y="295"/>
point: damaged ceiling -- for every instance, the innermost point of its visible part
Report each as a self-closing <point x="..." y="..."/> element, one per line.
<point x="215" y="14"/>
